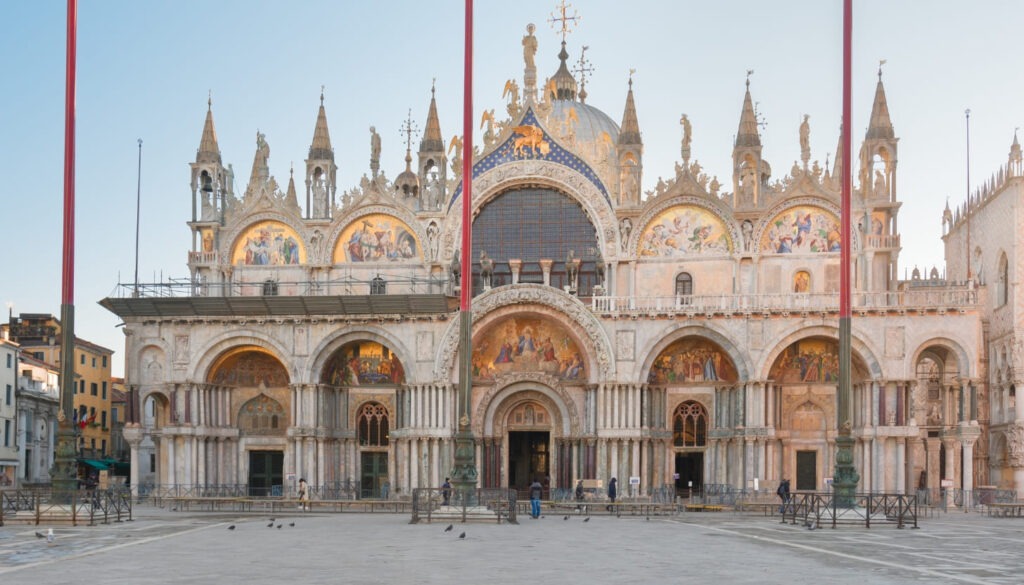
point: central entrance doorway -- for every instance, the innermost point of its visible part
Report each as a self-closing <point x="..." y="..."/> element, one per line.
<point x="373" y="474"/>
<point x="689" y="473"/>
<point x="528" y="458"/>
<point x="266" y="473"/>
<point x="806" y="470"/>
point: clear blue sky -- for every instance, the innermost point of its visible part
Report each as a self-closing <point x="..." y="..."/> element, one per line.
<point x="144" y="70"/>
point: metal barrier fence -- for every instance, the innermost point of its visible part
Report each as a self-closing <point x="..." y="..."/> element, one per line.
<point x="38" y="505"/>
<point x="461" y="505"/>
<point x="823" y="508"/>
<point x="156" y="493"/>
<point x="954" y="499"/>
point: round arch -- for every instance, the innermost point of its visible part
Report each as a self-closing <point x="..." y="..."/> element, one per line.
<point x="865" y="351"/>
<point x="673" y="333"/>
<point x="211" y="352"/>
<point x="539" y="173"/>
<point x="327" y="347"/>
<point x="494" y="406"/>
<point x="956" y="348"/>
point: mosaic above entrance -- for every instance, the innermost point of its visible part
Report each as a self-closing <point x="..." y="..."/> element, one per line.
<point x="268" y="243"/>
<point x="685" y="230"/>
<point x="801" y="230"/>
<point x="526" y="345"/>
<point x="251" y="369"/>
<point x="363" y="363"/>
<point x="377" y="238"/>
<point x="813" y="360"/>
<point x="692" y="359"/>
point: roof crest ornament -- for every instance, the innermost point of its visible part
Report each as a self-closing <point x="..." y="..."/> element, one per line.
<point x="880" y="63"/>
<point x="322" y="87"/>
<point x="749" y="73"/>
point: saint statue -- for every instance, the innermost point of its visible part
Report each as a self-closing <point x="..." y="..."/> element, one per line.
<point x="687" y="136"/>
<point x="805" y="140"/>
<point x="374" y="150"/>
<point x="529" y="46"/>
<point x="625" y="228"/>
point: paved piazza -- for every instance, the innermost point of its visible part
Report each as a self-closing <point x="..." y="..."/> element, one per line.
<point x="167" y="547"/>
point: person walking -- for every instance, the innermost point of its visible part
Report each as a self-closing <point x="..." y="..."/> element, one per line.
<point x="536" y="492"/>
<point x="303" y="494"/>
<point x="783" y="493"/>
<point x="613" y="490"/>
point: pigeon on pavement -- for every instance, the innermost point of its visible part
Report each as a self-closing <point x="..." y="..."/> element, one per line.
<point x="449" y="529"/>
<point x="462" y="536"/>
<point x="232" y="527"/>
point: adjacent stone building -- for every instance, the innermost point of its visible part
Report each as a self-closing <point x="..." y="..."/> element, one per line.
<point x="683" y="336"/>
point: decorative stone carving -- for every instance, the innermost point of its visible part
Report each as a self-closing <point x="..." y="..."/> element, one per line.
<point x="1015" y="446"/>
<point x="540" y="378"/>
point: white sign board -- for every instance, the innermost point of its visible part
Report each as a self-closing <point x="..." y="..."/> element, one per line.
<point x="635" y="480"/>
<point x="946" y="483"/>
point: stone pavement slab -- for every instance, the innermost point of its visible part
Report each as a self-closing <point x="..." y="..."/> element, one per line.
<point x="166" y="547"/>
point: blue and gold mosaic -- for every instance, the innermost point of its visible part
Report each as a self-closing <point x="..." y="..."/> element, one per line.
<point x="535" y="144"/>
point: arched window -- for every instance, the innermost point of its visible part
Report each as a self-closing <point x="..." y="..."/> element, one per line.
<point x="261" y="416"/>
<point x="684" y="284"/>
<point x="690" y="425"/>
<point x="373" y="425"/>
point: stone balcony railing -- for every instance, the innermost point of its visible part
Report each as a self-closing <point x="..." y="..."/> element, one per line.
<point x="882" y="241"/>
<point x="202" y="258"/>
<point x="949" y="297"/>
<point x="916" y="300"/>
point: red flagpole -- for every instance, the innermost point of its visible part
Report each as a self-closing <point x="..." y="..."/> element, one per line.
<point x="844" y="254"/>
<point x="68" y="274"/>
<point x="467" y="167"/>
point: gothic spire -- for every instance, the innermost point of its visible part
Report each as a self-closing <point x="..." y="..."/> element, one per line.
<point x="747" y="134"/>
<point x="290" y="196"/>
<point x="432" y="141"/>
<point x="837" y="168"/>
<point x="630" y="127"/>
<point x="881" y="125"/>
<point x="321" y="148"/>
<point x="209" y="151"/>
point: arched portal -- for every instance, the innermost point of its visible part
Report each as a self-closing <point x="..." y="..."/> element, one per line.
<point x="257" y="386"/>
<point x="529" y="445"/>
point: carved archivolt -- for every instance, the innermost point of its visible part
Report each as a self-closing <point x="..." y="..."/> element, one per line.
<point x="540" y="172"/>
<point x="578" y="317"/>
<point x="536" y="386"/>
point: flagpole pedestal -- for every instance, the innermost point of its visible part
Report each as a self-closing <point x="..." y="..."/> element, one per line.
<point x="64" y="473"/>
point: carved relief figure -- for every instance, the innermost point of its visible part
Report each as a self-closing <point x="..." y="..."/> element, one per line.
<point x="805" y="139"/>
<point x="625" y="228"/>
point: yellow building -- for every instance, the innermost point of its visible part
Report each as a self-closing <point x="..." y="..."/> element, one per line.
<point x="40" y="337"/>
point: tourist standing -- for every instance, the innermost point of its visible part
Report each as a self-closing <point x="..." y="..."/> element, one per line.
<point x="536" y="491"/>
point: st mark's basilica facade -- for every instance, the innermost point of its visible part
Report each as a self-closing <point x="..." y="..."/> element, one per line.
<point x="683" y="336"/>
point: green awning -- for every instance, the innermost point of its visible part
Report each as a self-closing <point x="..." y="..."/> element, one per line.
<point x="95" y="464"/>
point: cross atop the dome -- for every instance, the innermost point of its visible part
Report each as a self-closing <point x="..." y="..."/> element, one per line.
<point x="567" y="21"/>
<point x="408" y="128"/>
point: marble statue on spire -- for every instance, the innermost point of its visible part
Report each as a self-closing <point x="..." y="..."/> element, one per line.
<point x="374" y="151"/>
<point x="687" y="135"/>
<point x="805" y="140"/>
